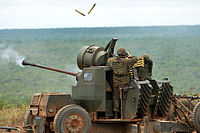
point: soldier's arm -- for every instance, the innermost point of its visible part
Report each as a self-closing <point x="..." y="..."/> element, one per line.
<point x="128" y="54"/>
<point x="132" y="60"/>
<point x="150" y="65"/>
<point x="108" y="62"/>
<point x="135" y="59"/>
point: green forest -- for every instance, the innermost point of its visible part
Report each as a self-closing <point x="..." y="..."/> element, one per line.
<point x="175" y="51"/>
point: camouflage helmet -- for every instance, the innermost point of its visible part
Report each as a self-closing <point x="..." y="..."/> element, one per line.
<point x="121" y="52"/>
<point x="145" y="56"/>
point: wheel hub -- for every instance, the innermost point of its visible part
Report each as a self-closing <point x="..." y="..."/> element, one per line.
<point x="74" y="123"/>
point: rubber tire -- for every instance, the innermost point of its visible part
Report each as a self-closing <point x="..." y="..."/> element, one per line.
<point x="196" y="117"/>
<point x="28" y="120"/>
<point x="64" y="112"/>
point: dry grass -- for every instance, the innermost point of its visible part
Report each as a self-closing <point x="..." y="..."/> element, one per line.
<point x="12" y="116"/>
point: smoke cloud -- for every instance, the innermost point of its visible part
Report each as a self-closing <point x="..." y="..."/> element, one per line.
<point x="9" y="55"/>
<point x="72" y="68"/>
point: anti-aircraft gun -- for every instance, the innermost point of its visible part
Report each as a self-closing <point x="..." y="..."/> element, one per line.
<point x="90" y="106"/>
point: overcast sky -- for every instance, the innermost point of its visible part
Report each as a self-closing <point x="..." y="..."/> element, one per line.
<point x="61" y="13"/>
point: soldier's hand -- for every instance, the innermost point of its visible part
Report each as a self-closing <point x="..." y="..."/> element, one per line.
<point x="128" y="54"/>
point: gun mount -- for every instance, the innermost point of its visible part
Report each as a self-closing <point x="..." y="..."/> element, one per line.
<point x="89" y="109"/>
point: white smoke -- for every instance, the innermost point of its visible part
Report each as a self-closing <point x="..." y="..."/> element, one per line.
<point x="72" y="68"/>
<point x="8" y="54"/>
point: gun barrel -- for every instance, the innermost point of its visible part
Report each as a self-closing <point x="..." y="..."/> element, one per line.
<point x="25" y="63"/>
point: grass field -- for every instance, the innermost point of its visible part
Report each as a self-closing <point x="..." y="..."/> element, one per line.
<point x="175" y="51"/>
<point x="12" y="116"/>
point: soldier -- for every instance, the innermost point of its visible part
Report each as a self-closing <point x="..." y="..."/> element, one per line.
<point x="145" y="71"/>
<point x="120" y="65"/>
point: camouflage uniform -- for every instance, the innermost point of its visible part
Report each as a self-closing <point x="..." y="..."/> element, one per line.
<point x="120" y="67"/>
<point x="145" y="73"/>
